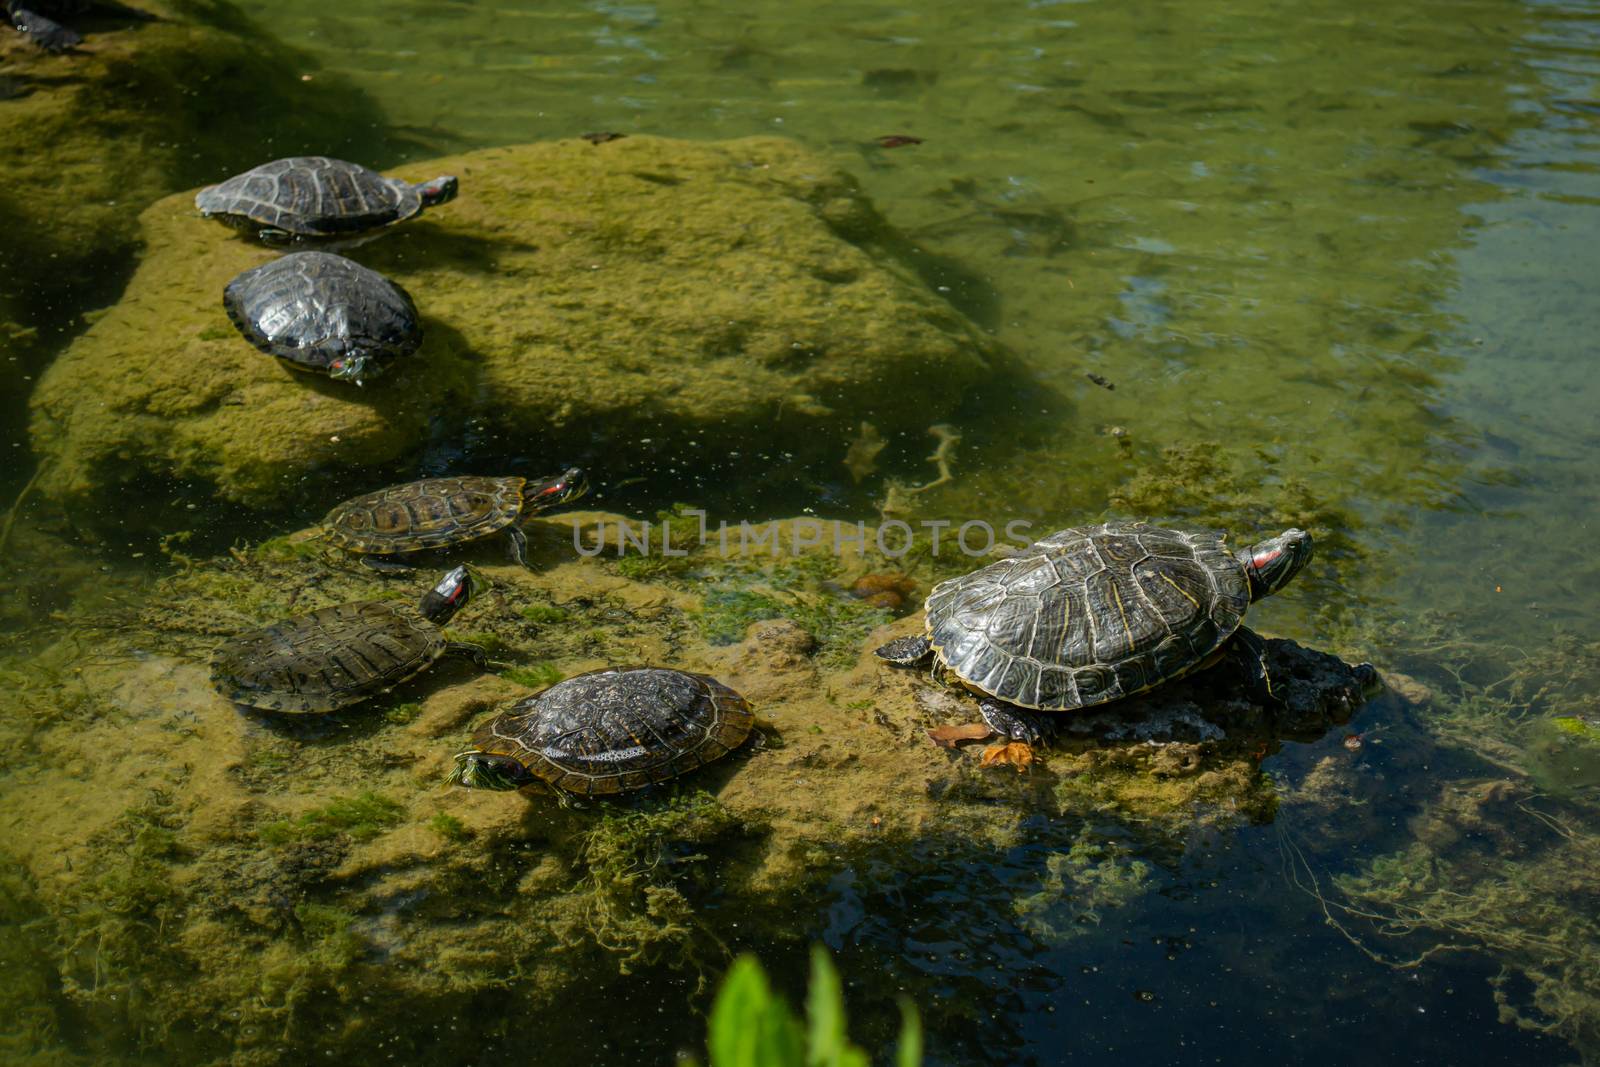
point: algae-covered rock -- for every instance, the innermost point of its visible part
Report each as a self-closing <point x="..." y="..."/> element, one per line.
<point x="637" y="296"/>
<point x="230" y="886"/>
<point x="195" y="86"/>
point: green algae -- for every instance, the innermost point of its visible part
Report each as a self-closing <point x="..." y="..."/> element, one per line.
<point x="449" y="827"/>
<point x="641" y="865"/>
<point x="537" y="676"/>
<point x="1078" y="886"/>
<point x="360" y="818"/>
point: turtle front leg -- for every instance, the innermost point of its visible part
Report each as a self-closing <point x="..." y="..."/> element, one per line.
<point x="473" y="652"/>
<point x="519" y="546"/>
<point x="386" y="564"/>
<point x="1249" y="651"/>
<point x="1019" y="730"/>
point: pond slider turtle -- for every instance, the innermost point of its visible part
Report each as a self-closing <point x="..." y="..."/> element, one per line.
<point x="437" y="512"/>
<point x="1091" y="615"/>
<point x="607" y="731"/>
<point x="307" y="198"/>
<point x="343" y="654"/>
<point x="324" y="313"/>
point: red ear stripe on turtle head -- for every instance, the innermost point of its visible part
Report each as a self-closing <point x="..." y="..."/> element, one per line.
<point x="1265" y="558"/>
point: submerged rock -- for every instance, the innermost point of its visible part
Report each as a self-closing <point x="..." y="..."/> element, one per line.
<point x="275" y="889"/>
<point x="636" y="297"/>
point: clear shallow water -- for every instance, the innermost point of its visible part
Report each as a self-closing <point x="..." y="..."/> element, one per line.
<point x="1337" y="261"/>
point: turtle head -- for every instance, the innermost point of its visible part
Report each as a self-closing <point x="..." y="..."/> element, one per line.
<point x="1271" y="563"/>
<point x="358" y="369"/>
<point x="440" y="603"/>
<point x="565" y="487"/>
<point x="441" y="190"/>
<point x="486" y="770"/>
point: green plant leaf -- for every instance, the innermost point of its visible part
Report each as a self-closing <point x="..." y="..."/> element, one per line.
<point x="909" y="1053"/>
<point x="825" y="1012"/>
<point x="749" y="1026"/>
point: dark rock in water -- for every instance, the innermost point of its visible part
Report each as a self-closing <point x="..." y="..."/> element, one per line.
<point x="1318" y="690"/>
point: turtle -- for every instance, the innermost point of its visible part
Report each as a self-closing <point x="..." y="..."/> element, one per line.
<point x="607" y="731"/>
<point x="341" y="655"/>
<point x="311" y="198"/>
<point x="324" y="313"/>
<point x="36" y="20"/>
<point x="438" y="512"/>
<point x="1090" y="615"/>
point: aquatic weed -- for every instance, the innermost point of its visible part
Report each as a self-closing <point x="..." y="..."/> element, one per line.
<point x="360" y="818"/>
<point x="449" y="827"/>
<point x="639" y="861"/>
<point x="534" y="676"/>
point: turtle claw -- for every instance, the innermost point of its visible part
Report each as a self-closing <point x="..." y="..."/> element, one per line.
<point x="1018" y="754"/>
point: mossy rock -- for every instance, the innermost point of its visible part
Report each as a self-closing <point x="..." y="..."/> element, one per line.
<point x="196" y="86"/>
<point x="627" y="296"/>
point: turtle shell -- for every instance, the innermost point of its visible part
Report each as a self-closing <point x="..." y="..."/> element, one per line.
<point x="310" y="196"/>
<point x="327" y="659"/>
<point x="430" y="513"/>
<point x="319" y="311"/>
<point x="1089" y="615"/>
<point x="618" y="729"/>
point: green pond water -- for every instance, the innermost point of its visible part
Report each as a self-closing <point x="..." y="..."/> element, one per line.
<point x="1338" y="262"/>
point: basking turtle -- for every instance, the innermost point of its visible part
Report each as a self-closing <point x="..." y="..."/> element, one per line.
<point x="1094" y="614"/>
<point x="324" y="313"/>
<point x="437" y="512"/>
<point x="343" y="654"/>
<point x="309" y="198"/>
<point x="35" y="20"/>
<point x="607" y="731"/>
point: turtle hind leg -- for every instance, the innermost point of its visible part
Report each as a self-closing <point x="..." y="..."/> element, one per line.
<point x="518" y="546"/>
<point x="1249" y="651"/>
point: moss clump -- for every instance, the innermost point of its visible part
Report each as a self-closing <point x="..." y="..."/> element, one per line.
<point x="449" y="827"/>
<point x="1577" y="726"/>
<point x="331" y="943"/>
<point x="839" y="624"/>
<point x="643" y="865"/>
<point x="543" y="614"/>
<point x="537" y="676"/>
<point x="402" y="714"/>
<point x="360" y="818"/>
